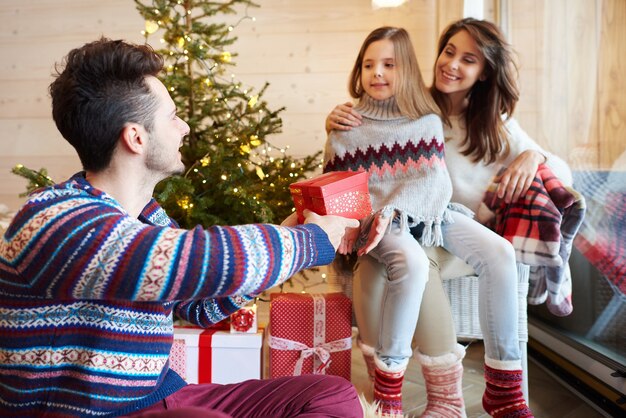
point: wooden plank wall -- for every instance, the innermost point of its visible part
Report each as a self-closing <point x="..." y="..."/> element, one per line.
<point x="304" y="48"/>
<point x="34" y="35"/>
<point x="571" y="53"/>
<point x="611" y="109"/>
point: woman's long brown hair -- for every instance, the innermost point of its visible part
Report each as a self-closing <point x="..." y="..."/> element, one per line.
<point x="489" y="99"/>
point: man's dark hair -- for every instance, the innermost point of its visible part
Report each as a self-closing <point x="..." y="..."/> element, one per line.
<point x="99" y="88"/>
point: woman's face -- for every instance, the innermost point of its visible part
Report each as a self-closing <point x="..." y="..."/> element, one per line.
<point x="378" y="71"/>
<point x="459" y="66"/>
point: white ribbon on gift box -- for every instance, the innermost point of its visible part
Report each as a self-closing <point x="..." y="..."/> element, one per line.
<point x="321" y="349"/>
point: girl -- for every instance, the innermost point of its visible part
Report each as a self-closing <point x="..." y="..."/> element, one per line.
<point x="400" y="144"/>
<point x="475" y="87"/>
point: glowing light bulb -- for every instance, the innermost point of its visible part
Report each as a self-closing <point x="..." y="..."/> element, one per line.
<point x="184" y="203"/>
<point x="151" y="26"/>
<point x="226" y="56"/>
<point x="255" y="141"/>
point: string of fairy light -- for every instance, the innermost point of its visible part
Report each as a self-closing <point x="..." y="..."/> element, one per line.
<point x="259" y="153"/>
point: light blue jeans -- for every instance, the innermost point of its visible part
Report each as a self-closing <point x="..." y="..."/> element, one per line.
<point x="407" y="268"/>
<point x="493" y="259"/>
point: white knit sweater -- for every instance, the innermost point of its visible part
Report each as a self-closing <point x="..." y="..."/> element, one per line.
<point x="470" y="180"/>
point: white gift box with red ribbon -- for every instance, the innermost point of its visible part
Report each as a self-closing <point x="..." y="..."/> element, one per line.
<point x="216" y="356"/>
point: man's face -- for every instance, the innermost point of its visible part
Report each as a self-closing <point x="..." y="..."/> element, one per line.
<point x="163" y="157"/>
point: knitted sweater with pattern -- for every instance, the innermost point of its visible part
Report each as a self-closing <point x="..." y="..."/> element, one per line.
<point x="87" y="295"/>
<point x="405" y="162"/>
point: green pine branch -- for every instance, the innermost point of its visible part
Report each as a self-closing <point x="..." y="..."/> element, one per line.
<point x="234" y="174"/>
<point x="36" y="179"/>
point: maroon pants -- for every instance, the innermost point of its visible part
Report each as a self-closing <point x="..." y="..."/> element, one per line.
<point x="310" y="396"/>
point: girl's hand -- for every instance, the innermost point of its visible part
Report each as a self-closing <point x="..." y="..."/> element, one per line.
<point x="343" y="117"/>
<point x="377" y="231"/>
<point x="347" y="242"/>
<point x="517" y="178"/>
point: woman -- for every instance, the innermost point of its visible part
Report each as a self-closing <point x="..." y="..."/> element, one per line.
<point x="474" y="85"/>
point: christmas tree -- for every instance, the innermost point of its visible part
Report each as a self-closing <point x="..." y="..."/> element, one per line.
<point x="233" y="173"/>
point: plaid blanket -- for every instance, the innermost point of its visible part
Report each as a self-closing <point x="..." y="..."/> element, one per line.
<point x="541" y="226"/>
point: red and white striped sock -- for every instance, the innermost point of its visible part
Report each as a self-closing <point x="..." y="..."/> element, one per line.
<point x="503" y="396"/>
<point x="388" y="391"/>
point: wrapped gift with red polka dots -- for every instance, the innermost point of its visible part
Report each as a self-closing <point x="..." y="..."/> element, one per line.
<point x="342" y="193"/>
<point x="310" y="334"/>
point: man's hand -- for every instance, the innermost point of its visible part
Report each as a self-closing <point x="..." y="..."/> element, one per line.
<point x="291" y="220"/>
<point x="343" y="118"/>
<point x="334" y="226"/>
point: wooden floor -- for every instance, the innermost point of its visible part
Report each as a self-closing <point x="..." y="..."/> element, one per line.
<point x="548" y="398"/>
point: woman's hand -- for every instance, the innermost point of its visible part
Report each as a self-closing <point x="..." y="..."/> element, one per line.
<point x="376" y="233"/>
<point x="348" y="240"/>
<point x="517" y="178"/>
<point x="343" y="117"/>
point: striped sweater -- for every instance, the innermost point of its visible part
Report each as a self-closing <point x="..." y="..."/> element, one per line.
<point x="87" y="295"/>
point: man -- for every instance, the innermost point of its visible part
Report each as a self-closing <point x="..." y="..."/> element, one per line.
<point x="92" y="269"/>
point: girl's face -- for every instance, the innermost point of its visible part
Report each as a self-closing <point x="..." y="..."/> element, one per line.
<point x="378" y="71"/>
<point x="459" y="66"/>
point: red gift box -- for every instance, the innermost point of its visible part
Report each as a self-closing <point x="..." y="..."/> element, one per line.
<point x="342" y="193"/>
<point x="310" y="334"/>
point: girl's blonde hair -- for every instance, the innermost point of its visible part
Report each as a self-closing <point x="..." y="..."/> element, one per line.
<point x="412" y="96"/>
<point x="489" y="99"/>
